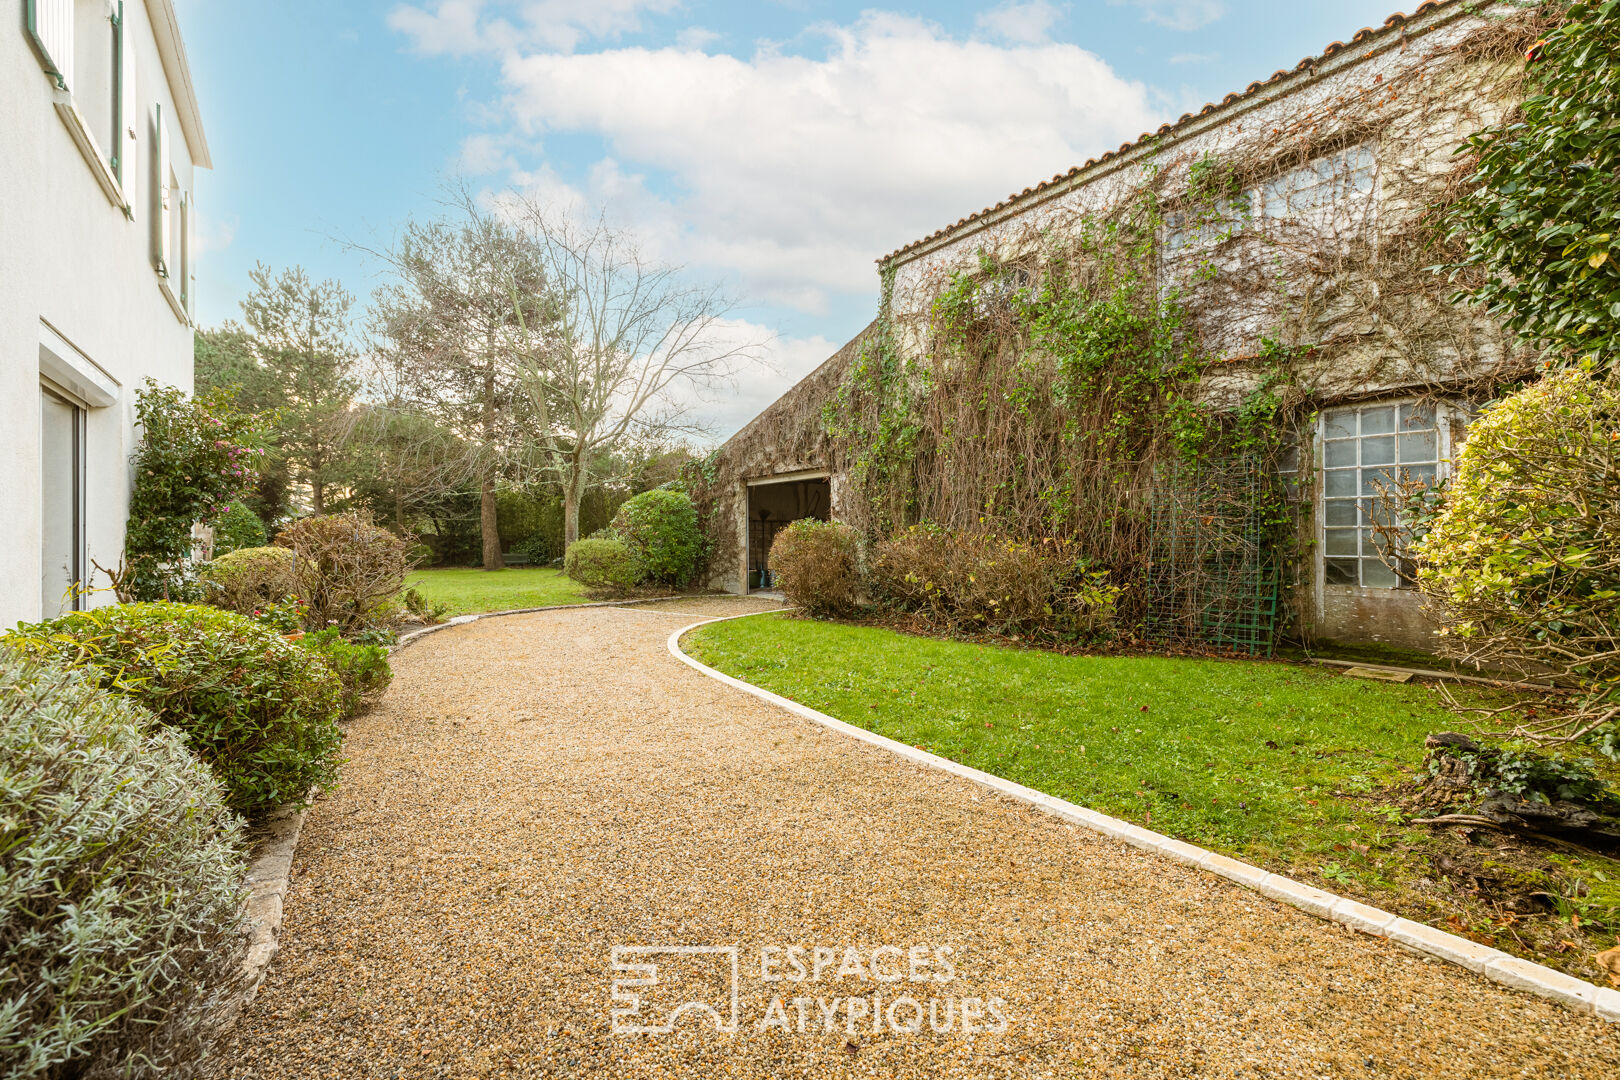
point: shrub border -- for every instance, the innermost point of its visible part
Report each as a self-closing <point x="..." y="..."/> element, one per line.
<point x="1499" y="967"/>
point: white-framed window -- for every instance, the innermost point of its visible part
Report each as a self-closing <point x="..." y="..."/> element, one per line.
<point x="1368" y="452"/>
<point x="1333" y="185"/>
<point x="61" y="473"/>
<point x="84" y="48"/>
<point x="172" y="223"/>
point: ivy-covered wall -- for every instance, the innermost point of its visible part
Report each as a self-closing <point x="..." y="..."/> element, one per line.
<point x="1149" y="340"/>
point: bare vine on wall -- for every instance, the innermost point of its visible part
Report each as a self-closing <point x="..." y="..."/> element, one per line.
<point x="1098" y="369"/>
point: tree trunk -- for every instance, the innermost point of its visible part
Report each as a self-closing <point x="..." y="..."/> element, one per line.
<point x="488" y="523"/>
<point x="570" y="515"/>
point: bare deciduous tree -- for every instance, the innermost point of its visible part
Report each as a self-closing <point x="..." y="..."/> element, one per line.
<point x="632" y="342"/>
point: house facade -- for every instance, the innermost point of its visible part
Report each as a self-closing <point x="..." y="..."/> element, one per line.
<point x="1292" y="218"/>
<point x="99" y="142"/>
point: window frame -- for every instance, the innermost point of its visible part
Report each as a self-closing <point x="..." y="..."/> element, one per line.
<point x="49" y="37"/>
<point x="81" y="546"/>
<point x="1443" y="413"/>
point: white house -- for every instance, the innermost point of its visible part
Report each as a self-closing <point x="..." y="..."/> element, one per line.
<point x="99" y="139"/>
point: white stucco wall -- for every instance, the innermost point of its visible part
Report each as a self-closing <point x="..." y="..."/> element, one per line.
<point x="71" y="258"/>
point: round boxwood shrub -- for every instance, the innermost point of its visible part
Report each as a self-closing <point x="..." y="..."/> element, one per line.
<point x="121" y="871"/>
<point x="601" y="564"/>
<point x="238" y="528"/>
<point x="249" y="580"/>
<point x="259" y="710"/>
<point x="816" y="566"/>
<point x="661" y="530"/>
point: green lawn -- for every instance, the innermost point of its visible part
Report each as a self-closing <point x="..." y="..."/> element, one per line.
<point x="470" y="591"/>
<point x="1280" y="764"/>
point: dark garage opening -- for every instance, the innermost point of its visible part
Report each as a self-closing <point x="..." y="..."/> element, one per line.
<point x="771" y="506"/>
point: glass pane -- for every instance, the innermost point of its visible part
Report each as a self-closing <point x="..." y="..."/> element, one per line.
<point x="1339" y="483"/>
<point x="1341" y="512"/>
<point x="1425" y="473"/>
<point x="1341" y="542"/>
<point x="1340" y="424"/>
<point x="1419" y="446"/>
<point x="1416" y="416"/>
<point x="1288" y="458"/>
<point x="1339" y="571"/>
<point x="1337" y="455"/>
<point x="59" y="534"/>
<point x="1378" y="451"/>
<point x="1375" y="575"/>
<point x="1379" y="421"/>
<point x="1376" y="481"/>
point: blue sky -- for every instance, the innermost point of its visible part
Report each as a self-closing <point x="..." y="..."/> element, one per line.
<point x="779" y="145"/>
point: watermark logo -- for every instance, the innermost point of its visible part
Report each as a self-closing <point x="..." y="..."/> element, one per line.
<point x="671" y="981"/>
<point x="808" y="989"/>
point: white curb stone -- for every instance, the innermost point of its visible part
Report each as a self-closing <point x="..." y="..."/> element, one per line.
<point x="1493" y="964"/>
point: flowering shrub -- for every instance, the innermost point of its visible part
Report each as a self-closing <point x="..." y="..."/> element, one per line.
<point x="195" y="456"/>
<point x="962" y="580"/>
<point x="816" y="566"/>
<point x="601" y="564"/>
<point x="348" y="569"/>
<point x="259" y="710"/>
<point x="122" y="872"/>
<point x="660" y="529"/>
<point x="251" y="580"/>
<point x="1520" y="560"/>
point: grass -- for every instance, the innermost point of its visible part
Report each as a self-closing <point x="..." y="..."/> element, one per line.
<point x="472" y="591"/>
<point x="1286" y="766"/>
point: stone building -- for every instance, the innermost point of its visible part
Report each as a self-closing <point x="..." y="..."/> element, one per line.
<point x="1313" y="241"/>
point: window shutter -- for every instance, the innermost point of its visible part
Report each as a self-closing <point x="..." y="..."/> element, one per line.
<point x="126" y="148"/>
<point x="188" y="252"/>
<point x="161" y="196"/>
<point x="50" y="24"/>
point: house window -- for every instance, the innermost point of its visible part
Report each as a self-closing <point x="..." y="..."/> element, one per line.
<point x="1367" y="453"/>
<point x="95" y="73"/>
<point x="84" y="49"/>
<point x="1338" y="179"/>
<point x="61" y="457"/>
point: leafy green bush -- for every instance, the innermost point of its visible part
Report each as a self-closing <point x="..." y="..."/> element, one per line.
<point x="542" y="548"/>
<point x="422" y="608"/>
<point x="602" y="564"/>
<point x="195" y="456"/>
<point x="121" y="871"/>
<point x="1519" y="560"/>
<point x="816" y="566"/>
<point x="260" y="711"/>
<point x="238" y="528"/>
<point x="660" y="528"/>
<point x="249" y="580"/>
<point x="1540" y="246"/>
<point x="362" y="669"/>
<point x="348" y="569"/>
<point x="967" y="580"/>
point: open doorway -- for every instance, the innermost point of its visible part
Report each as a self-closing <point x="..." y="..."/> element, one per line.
<point x="772" y="504"/>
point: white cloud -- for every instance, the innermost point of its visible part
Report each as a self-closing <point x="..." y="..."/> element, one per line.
<point x="1178" y="14"/>
<point x="696" y="37"/>
<point x="1194" y="58"/>
<point x="484" y="154"/>
<point x="1022" y="23"/>
<point x="797" y="172"/>
<point x="724" y="410"/>
<point x="460" y="27"/>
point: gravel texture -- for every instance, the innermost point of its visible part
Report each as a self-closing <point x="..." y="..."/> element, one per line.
<point x="537" y="789"/>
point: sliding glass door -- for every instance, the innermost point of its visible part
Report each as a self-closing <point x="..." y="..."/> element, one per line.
<point x="61" y="452"/>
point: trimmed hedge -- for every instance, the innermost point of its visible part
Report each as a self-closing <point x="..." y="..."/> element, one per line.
<point x="816" y="566"/>
<point x="660" y="528"/>
<point x="362" y="670"/>
<point x="601" y="564"/>
<point x="250" y="580"/>
<point x="120" y="880"/>
<point x="259" y="710"/>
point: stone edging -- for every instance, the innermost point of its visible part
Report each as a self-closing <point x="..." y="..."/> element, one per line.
<point x="1495" y="965"/>
<point x="267" y="878"/>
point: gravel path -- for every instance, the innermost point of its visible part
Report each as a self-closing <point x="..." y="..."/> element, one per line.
<point x="537" y="789"/>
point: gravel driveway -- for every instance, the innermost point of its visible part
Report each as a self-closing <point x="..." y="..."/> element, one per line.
<point x="537" y="789"/>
